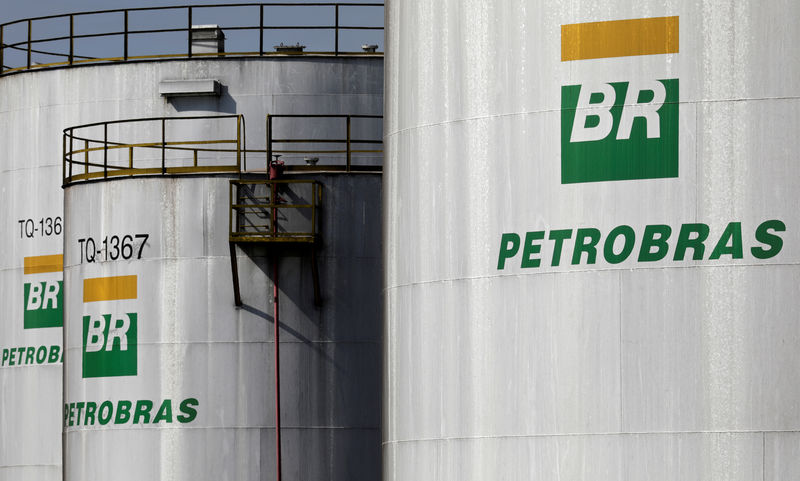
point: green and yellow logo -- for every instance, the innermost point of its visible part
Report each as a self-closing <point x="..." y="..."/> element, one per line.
<point x="619" y="130"/>
<point x="110" y="340"/>
<point x="43" y="298"/>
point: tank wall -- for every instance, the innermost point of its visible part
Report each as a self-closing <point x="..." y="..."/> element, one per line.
<point x="604" y="366"/>
<point x="196" y="351"/>
<point x="34" y="109"/>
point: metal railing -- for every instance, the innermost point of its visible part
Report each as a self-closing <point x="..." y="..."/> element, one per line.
<point x="348" y="153"/>
<point x="274" y="210"/>
<point x="91" y="152"/>
<point x="183" y="145"/>
<point x="20" y="51"/>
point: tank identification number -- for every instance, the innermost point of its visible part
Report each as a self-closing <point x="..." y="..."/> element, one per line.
<point x="44" y="227"/>
<point x="115" y="247"/>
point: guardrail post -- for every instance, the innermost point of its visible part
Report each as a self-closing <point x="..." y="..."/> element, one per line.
<point x="269" y="142"/>
<point x="244" y="144"/>
<point x="2" y="49"/>
<point x="63" y="155"/>
<point x="130" y="157"/>
<point x="70" y="152"/>
<point x="85" y="155"/>
<point x="336" y="44"/>
<point x="189" y="31"/>
<point x="105" y="151"/>
<point x="239" y="143"/>
<point x="29" y="44"/>
<point x="348" y="143"/>
<point x="125" y="48"/>
<point x="71" y="38"/>
<point x="163" y="146"/>
<point x="261" y="30"/>
<point x="231" y="203"/>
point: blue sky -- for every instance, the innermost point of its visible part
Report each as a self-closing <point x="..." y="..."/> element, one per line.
<point x="18" y="9"/>
<point x="145" y="44"/>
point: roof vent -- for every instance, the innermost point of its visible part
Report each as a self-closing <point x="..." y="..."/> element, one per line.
<point x="289" y="48"/>
<point x="189" y="88"/>
<point x="207" y="39"/>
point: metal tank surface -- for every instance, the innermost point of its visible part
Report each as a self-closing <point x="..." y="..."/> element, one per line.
<point x="592" y="258"/>
<point x="331" y="376"/>
<point x="160" y="360"/>
<point x="32" y="288"/>
<point x="186" y="389"/>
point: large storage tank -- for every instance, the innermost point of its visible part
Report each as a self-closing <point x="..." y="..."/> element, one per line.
<point x="192" y="390"/>
<point x="197" y="368"/>
<point x="205" y="364"/>
<point x="591" y="241"/>
<point x="31" y="276"/>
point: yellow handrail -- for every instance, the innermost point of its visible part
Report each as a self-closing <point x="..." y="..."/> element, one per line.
<point x="92" y="169"/>
<point x="39" y="52"/>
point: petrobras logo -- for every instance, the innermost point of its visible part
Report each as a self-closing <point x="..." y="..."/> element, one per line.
<point x="43" y="292"/>
<point x="110" y="339"/>
<point x="619" y="130"/>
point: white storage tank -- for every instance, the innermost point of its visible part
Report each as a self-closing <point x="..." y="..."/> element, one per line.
<point x="161" y="362"/>
<point x="331" y="374"/>
<point x="591" y="241"/>
<point x="32" y="294"/>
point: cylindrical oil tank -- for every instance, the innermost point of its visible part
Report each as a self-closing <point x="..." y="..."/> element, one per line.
<point x="165" y="377"/>
<point x="31" y="277"/>
<point x="162" y="366"/>
<point x="592" y="254"/>
<point x="35" y="107"/>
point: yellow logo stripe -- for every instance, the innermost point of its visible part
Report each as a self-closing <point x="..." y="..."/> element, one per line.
<point x="619" y="38"/>
<point x="40" y="264"/>
<point x="109" y="288"/>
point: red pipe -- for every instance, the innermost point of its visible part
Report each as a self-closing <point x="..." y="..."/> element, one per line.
<point x="275" y="169"/>
<point x="277" y="368"/>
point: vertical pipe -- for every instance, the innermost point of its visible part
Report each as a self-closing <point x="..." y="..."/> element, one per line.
<point x="274" y="228"/>
<point x="2" y="49"/>
<point x="261" y="31"/>
<point x="336" y="44"/>
<point x="348" y="143"/>
<point x="239" y="143"/>
<point x="29" y="44"/>
<point x="189" y="31"/>
<point x="232" y="202"/>
<point x="70" y="152"/>
<point x="105" y="150"/>
<point x="244" y="144"/>
<point x="269" y="140"/>
<point x="71" y="39"/>
<point x="63" y="156"/>
<point x="163" y="146"/>
<point x="277" y="369"/>
<point x="125" y="48"/>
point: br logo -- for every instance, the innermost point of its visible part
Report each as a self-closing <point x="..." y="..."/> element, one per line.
<point x="43" y="299"/>
<point x="110" y="341"/>
<point x="110" y="345"/>
<point x="619" y="130"/>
